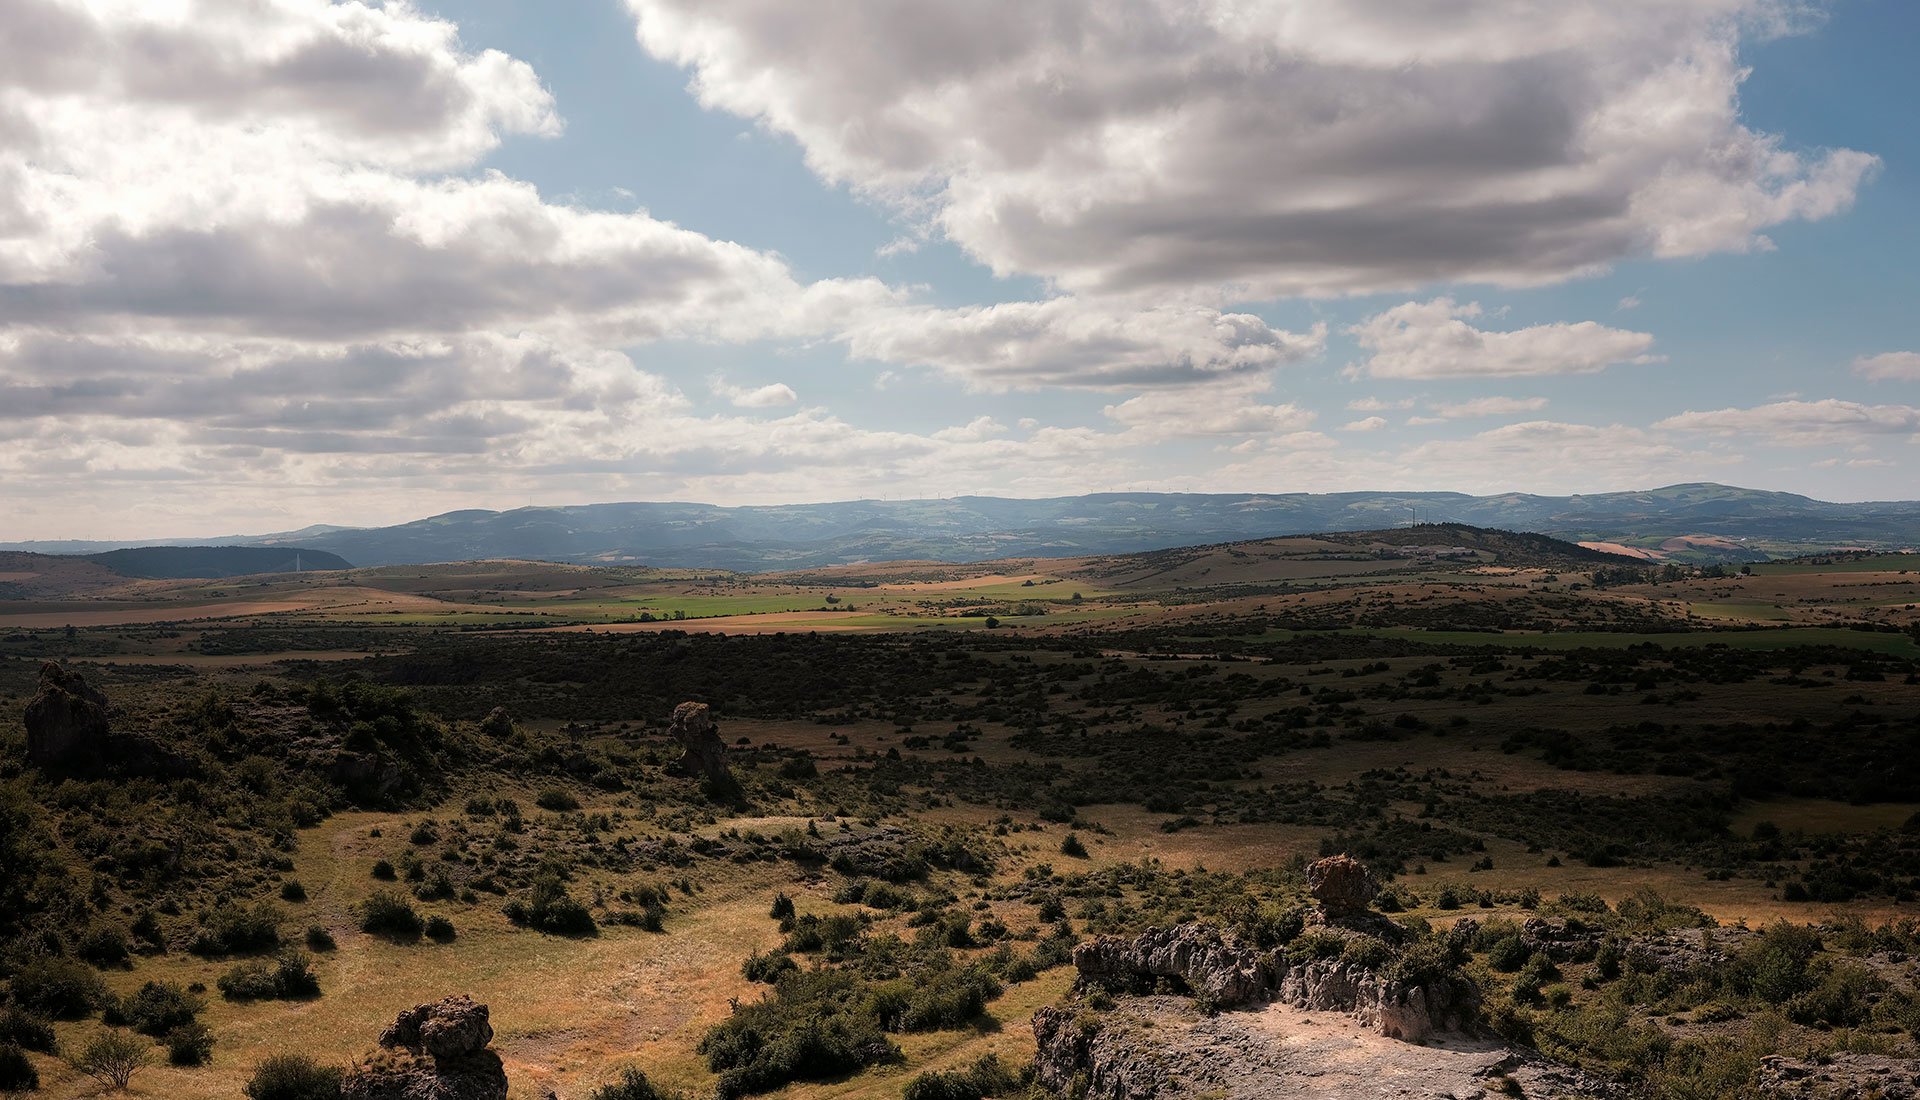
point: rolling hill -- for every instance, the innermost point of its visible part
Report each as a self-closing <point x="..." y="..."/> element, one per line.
<point x="1743" y="524"/>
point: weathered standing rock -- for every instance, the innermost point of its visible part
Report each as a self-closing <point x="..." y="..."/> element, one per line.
<point x="67" y="721"/>
<point x="704" y="756"/>
<point x="433" y="1051"/>
<point x="1342" y="885"/>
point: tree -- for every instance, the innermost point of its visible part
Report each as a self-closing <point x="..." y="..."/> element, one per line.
<point x="113" y="1056"/>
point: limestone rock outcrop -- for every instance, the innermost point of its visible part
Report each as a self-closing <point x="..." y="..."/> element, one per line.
<point x="1161" y="1048"/>
<point x="1208" y="961"/>
<point x="1840" y="1077"/>
<point x="67" y="720"/>
<point x="434" y="1051"/>
<point x="703" y="755"/>
<point x="70" y="728"/>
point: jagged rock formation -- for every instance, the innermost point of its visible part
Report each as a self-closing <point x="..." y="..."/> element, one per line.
<point x="70" y="727"/>
<point x="433" y="1051"/>
<point x="704" y="756"/>
<point x="1558" y="940"/>
<point x="1160" y="1048"/>
<point x="1840" y="1077"/>
<point x="67" y="720"/>
<point x="1342" y="885"/>
<point x="1229" y="974"/>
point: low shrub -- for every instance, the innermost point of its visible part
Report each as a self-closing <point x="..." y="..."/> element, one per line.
<point x="386" y="913"/>
<point x="630" y="1085"/>
<point x="549" y="908"/>
<point x="23" y="1029"/>
<point x="113" y="1056"/>
<point x="64" y="989"/>
<point x="293" y="1077"/>
<point x="288" y="978"/>
<point x="557" y="800"/>
<point x="232" y="929"/>
<point x="985" y="1077"/>
<point x="159" y="1007"/>
<point x="190" y="1044"/>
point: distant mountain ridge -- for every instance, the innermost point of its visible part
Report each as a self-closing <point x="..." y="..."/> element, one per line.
<point x="770" y="537"/>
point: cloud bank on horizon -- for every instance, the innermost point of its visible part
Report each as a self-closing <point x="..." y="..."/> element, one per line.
<point x="260" y="265"/>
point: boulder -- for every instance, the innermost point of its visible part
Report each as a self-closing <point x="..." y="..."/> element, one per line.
<point x="67" y="720"/>
<point x="1342" y="885"/>
<point x="432" y="1051"/>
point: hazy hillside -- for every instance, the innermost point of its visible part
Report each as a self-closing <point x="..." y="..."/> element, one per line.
<point x="802" y="536"/>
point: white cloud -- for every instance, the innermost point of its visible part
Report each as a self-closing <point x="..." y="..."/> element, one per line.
<point x="1375" y="404"/>
<point x="1229" y="408"/>
<point x="759" y="397"/>
<point x="1072" y="342"/>
<point x="1433" y="340"/>
<point x="1893" y="365"/>
<point x="1367" y="424"/>
<point x="1801" y="423"/>
<point x="1488" y="406"/>
<point x="1275" y="147"/>
<point x="1631" y="301"/>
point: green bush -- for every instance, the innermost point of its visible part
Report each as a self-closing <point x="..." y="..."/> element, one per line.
<point x="386" y="913"/>
<point x="767" y="967"/>
<point x="64" y="989"/>
<point x="293" y="1077"/>
<point x="16" y="1070"/>
<point x="113" y="1057"/>
<point x="288" y="978"/>
<point x="159" y="1007"/>
<point x="439" y="929"/>
<point x="985" y="1077"/>
<point x="190" y="1044"/>
<point x="293" y="890"/>
<point x="319" y="939"/>
<point x="549" y="908"/>
<point x="21" y="1028"/>
<point x="813" y="1027"/>
<point x="630" y="1085"/>
<point x="557" y="800"/>
<point x="1071" y="845"/>
<point x="104" y="945"/>
<point x="232" y="929"/>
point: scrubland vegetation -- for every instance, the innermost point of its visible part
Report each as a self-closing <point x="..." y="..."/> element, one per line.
<point x="926" y="823"/>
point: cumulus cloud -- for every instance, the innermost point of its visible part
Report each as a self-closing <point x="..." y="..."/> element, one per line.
<point x="1365" y="424"/>
<point x="1802" y="423"/>
<point x="1068" y="341"/>
<point x="1488" y="406"/>
<point x="758" y="397"/>
<point x="1893" y="365"/>
<point x="1232" y="408"/>
<point x="1434" y="340"/>
<point x="1275" y="147"/>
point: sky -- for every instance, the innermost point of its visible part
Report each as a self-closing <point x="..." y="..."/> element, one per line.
<point x="269" y="263"/>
